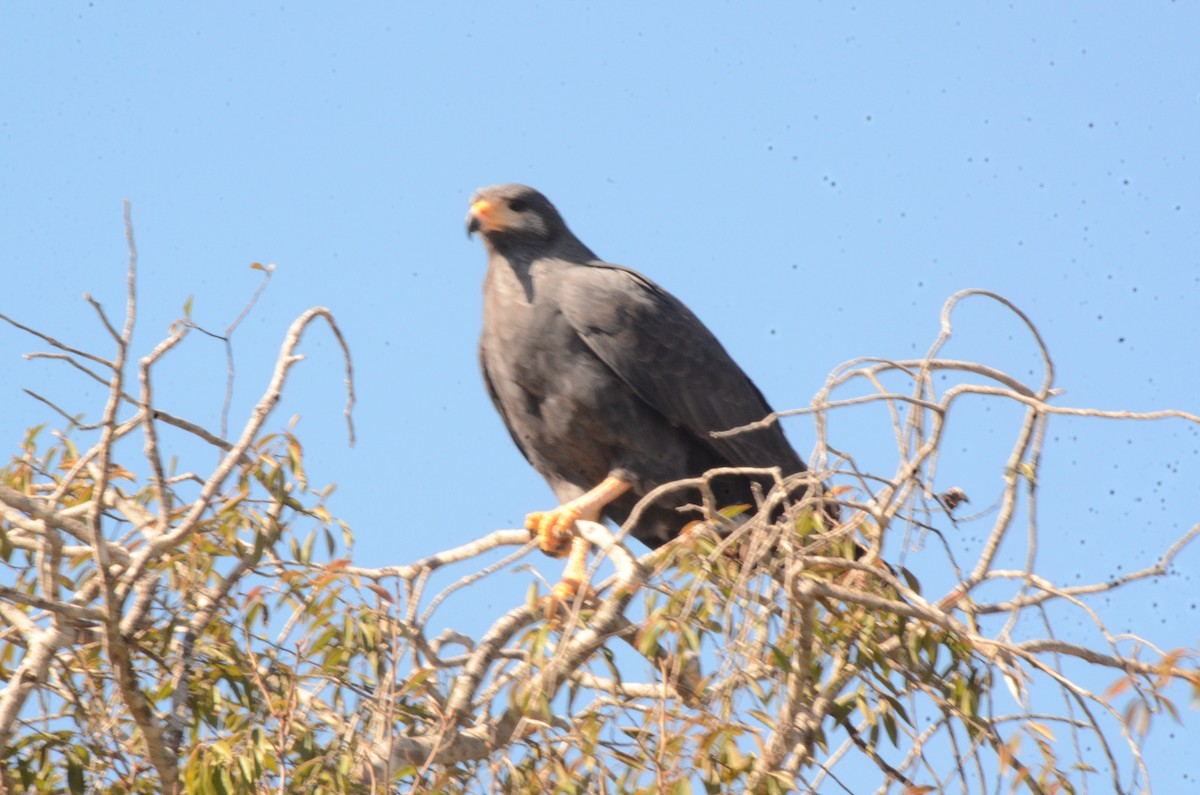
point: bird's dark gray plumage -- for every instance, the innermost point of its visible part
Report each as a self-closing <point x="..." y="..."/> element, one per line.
<point x="600" y="373"/>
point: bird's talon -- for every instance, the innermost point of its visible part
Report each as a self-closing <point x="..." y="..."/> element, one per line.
<point x="561" y="599"/>
<point x="566" y="590"/>
<point x="553" y="529"/>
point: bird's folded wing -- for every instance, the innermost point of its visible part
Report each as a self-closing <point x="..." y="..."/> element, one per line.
<point x="672" y="362"/>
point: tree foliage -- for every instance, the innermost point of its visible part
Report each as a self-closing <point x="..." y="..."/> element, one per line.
<point x="172" y="626"/>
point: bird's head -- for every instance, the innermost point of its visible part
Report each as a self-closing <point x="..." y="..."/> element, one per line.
<point x="513" y="213"/>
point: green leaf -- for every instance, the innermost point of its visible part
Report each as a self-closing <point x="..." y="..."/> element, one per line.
<point x="415" y="681"/>
<point x="764" y="718"/>
<point x="647" y="640"/>
<point x="306" y="550"/>
<point x="246" y="766"/>
<point x="75" y="782"/>
<point x="690" y="638"/>
<point x="734" y="511"/>
<point x="1041" y="729"/>
<point x="222" y="782"/>
<point x="781" y="660"/>
<point x="889" y="725"/>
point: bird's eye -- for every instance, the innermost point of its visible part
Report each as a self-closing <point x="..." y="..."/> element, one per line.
<point x="517" y="205"/>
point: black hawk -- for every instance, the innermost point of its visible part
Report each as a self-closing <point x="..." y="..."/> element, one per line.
<point x="608" y="384"/>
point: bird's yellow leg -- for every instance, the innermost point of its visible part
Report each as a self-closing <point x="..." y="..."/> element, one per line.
<point x="562" y="598"/>
<point x="553" y="527"/>
<point x="575" y="574"/>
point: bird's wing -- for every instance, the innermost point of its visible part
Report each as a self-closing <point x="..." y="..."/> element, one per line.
<point x="672" y="362"/>
<point x="491" y="390"/>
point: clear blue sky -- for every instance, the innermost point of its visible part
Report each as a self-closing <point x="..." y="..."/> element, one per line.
<point x="814" y="180"/>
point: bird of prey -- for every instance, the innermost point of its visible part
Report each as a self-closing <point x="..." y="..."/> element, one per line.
<point x="608" y="384"/>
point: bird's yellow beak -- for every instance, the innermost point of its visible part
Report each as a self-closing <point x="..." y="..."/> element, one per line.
<point x="477" y="216"/>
